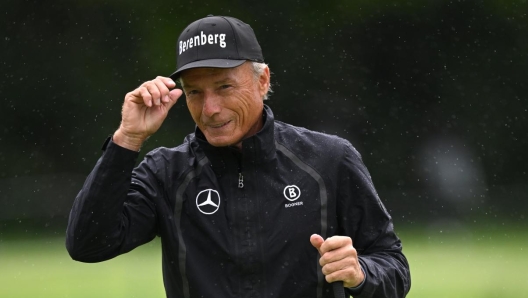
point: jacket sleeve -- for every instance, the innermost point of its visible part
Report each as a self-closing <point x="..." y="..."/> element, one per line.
<point x="363" y="217"/>
<point x="114" y="211"/>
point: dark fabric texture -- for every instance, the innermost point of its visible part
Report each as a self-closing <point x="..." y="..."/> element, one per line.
<point x="221" y="240"/>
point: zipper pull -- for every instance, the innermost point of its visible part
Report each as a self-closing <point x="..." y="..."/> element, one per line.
<point x="240" y="180"/>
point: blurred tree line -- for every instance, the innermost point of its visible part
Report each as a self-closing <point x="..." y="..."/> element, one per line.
<point x="432" y="93"/>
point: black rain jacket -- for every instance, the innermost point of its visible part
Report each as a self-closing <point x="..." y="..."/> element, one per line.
<point x="238" y="224"/>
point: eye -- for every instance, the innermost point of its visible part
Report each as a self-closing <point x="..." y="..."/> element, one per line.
<point x="191" y="92"/>
<point x="226" y="86"/>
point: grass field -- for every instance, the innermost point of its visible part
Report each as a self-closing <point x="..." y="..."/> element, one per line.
<point x="464" y="264"/>
<point x="478" y="264"/>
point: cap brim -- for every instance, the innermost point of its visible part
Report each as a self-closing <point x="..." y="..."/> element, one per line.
<point x="215" y="63"/>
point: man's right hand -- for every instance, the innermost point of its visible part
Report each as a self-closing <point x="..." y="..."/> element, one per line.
<point x="144" y="110"/>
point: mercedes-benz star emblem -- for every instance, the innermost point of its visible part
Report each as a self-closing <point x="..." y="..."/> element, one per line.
<point x="208" y="201"/>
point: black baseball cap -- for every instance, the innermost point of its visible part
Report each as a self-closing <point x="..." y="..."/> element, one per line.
<point x="216" y="41"/>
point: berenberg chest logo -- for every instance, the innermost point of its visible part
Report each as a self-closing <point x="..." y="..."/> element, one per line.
<point x="201" y="40"/>
<point x="208" y="201"/>
<point x="292" y="193"/>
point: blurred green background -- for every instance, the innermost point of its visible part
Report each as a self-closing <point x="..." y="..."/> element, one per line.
<point x="432" y="93"/>
<point x="458" y="264"/>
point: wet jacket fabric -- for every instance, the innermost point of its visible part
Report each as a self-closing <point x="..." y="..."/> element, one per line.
<point x="237" y="223"/>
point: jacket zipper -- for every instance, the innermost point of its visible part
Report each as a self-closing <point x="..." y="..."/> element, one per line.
<point x="240" y="179"/>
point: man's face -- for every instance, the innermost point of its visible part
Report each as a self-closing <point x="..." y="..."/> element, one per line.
<point x="226" y="103"/>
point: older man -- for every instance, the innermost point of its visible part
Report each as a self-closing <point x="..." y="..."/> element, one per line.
<point x="247" y="206"/>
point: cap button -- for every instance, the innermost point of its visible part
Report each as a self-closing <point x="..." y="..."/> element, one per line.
<point x="210" y="15"/>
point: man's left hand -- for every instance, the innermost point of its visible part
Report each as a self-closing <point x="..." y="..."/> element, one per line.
<point x="339" y="260"/>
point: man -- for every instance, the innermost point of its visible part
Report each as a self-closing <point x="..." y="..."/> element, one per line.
<point x="247" y="206"/>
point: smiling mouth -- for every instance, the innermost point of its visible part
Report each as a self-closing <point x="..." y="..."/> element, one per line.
<point x="219" y="125"/>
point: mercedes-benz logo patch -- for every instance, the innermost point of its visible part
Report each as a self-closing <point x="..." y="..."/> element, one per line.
<point x="208" y="201"/>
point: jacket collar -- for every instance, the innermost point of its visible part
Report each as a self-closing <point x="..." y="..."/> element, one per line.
<point x="256" y="149"/>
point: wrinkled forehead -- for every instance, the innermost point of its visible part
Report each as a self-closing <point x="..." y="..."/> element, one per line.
<point x="212" y="74"/>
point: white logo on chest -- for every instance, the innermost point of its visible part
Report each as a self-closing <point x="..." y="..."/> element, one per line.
<point x="208" y="201"/>
<point x="292" y="192"/>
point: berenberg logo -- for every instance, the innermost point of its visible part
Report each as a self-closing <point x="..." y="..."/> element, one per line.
<point x="202" y="39"/>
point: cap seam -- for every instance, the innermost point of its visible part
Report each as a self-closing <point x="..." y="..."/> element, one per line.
<point x="197" y="55"/>
<point x="235" y="36"/>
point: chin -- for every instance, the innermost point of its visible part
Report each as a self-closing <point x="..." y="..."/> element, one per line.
<point x="221" y="142"/>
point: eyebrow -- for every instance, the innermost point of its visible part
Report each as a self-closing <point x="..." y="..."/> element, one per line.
<point x="219" y="82"/>
<point x="223" y="81"/>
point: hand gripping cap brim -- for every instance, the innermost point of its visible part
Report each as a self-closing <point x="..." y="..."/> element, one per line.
<point x="216" y="41"/>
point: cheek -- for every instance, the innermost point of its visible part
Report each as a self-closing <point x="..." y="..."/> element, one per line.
<point x="249" y="101"/>
<point x="195" y="109"/>
<point x="243" y="109"/>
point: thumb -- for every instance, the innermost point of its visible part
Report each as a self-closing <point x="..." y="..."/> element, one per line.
<point x="174" y="95"/>
<point x="317" y="241"/>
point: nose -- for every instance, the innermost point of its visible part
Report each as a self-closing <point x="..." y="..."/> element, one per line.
<point x="211" y="104"/>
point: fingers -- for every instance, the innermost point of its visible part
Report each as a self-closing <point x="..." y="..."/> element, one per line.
<point x="174" y="94"/>
<point x="336" y="266"/>
<point x="350" y="276"/>
<point x="339" y="259"/>
<point x="155" y="92"/>
<point x="336" y="249"/>
<point x="141" y="95"/>
<point x="159" y="92"/>
<point x="335" y="242"/>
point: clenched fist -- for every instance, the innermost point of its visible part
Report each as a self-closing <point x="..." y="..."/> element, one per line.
<point x="339" y="260"/>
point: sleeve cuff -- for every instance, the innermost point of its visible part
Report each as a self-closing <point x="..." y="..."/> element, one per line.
<point x="113" y="153"/>
<point x="106" y="142"/>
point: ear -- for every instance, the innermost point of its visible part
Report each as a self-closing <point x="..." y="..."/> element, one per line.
<point x="264" y="82"/>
